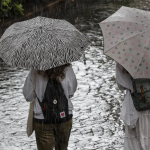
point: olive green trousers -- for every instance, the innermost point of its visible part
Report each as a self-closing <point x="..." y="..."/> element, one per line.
<point x="49" y="136"/>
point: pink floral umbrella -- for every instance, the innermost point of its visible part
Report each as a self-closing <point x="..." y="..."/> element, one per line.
<point x="127" y="40"/>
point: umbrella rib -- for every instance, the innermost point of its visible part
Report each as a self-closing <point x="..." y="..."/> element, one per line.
<point x="120" y="22"/>
<point x="37" y="28"/>
<point x="117" y="21"/>
<point x="142" y="57"/>
<point x="124" y="41"/>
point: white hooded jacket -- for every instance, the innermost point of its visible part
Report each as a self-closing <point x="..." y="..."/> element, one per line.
<point x="69" y="84"/>
<point x="128" y="112"/>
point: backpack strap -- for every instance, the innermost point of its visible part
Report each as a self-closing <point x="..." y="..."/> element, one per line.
<point x="39" y="101"/>
<point x="143" y="94"/>
<point x="43" y="106"/>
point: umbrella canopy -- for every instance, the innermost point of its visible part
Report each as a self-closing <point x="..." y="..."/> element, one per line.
<point x="127" y="40"/>
<point x="42" y="43"/>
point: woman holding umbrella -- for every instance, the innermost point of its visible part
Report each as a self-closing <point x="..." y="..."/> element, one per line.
<point x="136" y="122"/>
<point x="50" y="134"/>
<point x="46" y="47"/>
<point x="126" y="40"/>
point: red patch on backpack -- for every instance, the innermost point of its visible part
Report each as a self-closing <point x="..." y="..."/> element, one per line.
<point x="62" y="114"/>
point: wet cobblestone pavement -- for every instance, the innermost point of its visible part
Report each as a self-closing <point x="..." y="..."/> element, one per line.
<point x="97" y="102"/>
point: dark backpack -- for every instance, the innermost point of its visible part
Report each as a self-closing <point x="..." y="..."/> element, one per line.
<point x="55" y="104"/>
<point x="141" y="94"/>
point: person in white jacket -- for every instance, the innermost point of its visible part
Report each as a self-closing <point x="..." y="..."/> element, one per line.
<point x="137" y="129"/>
<point x="48" y="135"/>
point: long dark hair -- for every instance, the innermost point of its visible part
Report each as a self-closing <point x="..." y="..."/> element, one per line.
<point x="55" y="73"/>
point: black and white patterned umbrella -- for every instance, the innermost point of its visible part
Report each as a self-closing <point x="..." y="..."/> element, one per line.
<point x="42" y="43"/>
